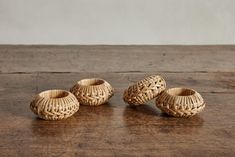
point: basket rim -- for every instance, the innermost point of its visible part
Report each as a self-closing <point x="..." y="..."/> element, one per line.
<point x="94" y="80"/>
<point x="54" y="90"/>
<point x="180" y="90"/>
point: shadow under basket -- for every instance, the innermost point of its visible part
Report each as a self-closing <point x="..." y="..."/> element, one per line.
<point x="92" y="91"/>
<point x="54" y="104"/>
<point x="180" y="102"/>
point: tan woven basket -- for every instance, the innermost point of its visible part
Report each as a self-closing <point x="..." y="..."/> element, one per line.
<point x="180" y="102"/>
<point x="92" y="91"/>
<point x="54" y="104"/>
<point x="144" y="90"/>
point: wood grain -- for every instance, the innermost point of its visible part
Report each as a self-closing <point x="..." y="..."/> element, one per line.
<point x="116" y="58"/>
<point x="115" y="129"/>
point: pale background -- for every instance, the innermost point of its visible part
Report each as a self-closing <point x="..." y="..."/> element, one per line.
<point x="117" y="22"/>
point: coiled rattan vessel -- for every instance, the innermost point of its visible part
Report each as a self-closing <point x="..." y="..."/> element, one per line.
<point x="144" y="90"/>
<point x="54" y="104"/>
<point x="92" y="91"/>
<point x="180" y="102"/>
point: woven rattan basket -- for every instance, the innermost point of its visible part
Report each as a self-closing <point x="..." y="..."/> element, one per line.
<point x="54" y="104"/>
<point x="144" y="90"/>
<point x="180" y="102"/>
<point x="92" y="91"/>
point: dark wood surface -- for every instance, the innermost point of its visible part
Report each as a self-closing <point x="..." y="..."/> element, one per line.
<point x="115" y="129"/>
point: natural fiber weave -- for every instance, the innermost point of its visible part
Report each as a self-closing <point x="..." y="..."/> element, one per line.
<point x="180" y="102"/>
<point x="93" y="91"/>
<point x="54" y="104"/>
<point x="144" y="90"/>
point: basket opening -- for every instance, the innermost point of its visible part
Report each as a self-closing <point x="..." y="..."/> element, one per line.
<point x="180" y="92"/>
<point x="91" y="82"/>
<point x="54" y="94"/>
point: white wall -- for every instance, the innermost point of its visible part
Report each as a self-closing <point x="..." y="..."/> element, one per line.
<point x="117" y="21"/>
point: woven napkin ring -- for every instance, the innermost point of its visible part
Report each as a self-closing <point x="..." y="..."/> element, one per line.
<point x="54" y="104"/>
<point x="92" y="91"/>
<point x="180" y="102"/>
<point x="144" y="90"/>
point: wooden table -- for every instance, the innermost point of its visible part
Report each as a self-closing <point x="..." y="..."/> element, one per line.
<point x="115" y="129"/>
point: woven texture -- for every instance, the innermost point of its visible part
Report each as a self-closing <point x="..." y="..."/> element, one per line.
<point x="144" y="90"/>
<point x="180" y="102"/>
<point x="54" y="105"/>
<point x="93" y="91"/>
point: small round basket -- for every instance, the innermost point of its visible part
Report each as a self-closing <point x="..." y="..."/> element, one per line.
<point x="54" y="104"/>
<point x="144" y="90"/>
<point x="92" y="91"/>
<point x="180" y="102"/>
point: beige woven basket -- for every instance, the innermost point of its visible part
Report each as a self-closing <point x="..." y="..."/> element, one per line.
<point x="92" y="91"/>
<point x="54" y="104"/>
<point x="180" y="102"/>
<point x="144" y="90"/>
